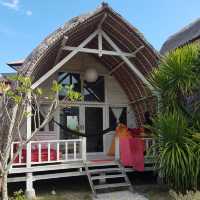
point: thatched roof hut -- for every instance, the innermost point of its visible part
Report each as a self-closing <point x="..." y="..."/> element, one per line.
<point x="47" y="54"/>
<point x="188" y="34"/>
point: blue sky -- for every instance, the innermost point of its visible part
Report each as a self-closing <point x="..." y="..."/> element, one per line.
<point x="25" y="23"/>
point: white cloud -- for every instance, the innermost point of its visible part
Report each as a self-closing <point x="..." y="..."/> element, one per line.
<point x="15" y="5"/>
<point x="29" y="12"/>
<point x="12" y="4"/>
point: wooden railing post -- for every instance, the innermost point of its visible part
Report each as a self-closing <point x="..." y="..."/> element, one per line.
<point x="84" y="154"/>
<point x="117" y="151"/>
<point x="28" y="132"/>
<point x="30" y="192"/>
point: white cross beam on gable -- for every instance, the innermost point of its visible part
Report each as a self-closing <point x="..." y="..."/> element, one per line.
<point x="99" y="51"/>
<point x="63" y="61"/>
<point x="117" y="52"/>
<point x="128" y="62"/>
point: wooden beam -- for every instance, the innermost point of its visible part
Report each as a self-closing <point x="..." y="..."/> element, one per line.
<point x="64" y="60"/>
<point x="137" y="50"/>
<point x="100" y="43"/>
<point x="140" y="99"/>
<point x="116" y="67"/>
<point x="60" y="50"/>
<point x="102" y="21"/>
<point x="96" y="51"/>
<point x="121" y="63"/>
<point x="128" y="62"/>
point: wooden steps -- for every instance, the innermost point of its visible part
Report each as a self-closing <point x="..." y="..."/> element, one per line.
<point x="107" y="176"/>
<point x="97" y="187"/>
<point x="97" y="171"/>
<point x="103" y="178"/>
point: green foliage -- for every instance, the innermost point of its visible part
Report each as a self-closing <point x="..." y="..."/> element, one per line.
<point x="19" y="195"/>
<point x="190" y="195"/>
<point x="177" y="76"/>
<point x="73" y="95"/>
<point x="177" y="129"/>
<point x="176" y="160"/>
<point x="23" y="87"/>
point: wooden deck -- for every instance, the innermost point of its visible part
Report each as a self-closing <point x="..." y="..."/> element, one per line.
<point x="70" y="160"/>
<point x="66" y="169"/>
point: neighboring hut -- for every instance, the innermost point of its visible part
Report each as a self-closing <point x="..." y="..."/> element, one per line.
<point x="189" y="34"/>
<point x="108" y="61"/>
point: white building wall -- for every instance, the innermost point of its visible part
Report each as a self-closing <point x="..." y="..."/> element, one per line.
<point x="115" y="95"/>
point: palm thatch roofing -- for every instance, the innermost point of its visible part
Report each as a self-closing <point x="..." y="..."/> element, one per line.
<point x="186" y="35"/>
<point x="17" y="64"/>
<point x="128" y="39"/>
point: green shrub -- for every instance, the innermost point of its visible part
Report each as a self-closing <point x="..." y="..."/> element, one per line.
<point x="176" y="129"/>
<point x="190" y="195"/>
<point x="18" y="195"/>
<point x="176" y="159"/>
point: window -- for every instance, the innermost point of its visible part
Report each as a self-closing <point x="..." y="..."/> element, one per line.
<point x="95" y="91"/>
<point x="69" y="117"/>
<point x="113" y="117"/>
<point x="65" y="79"/>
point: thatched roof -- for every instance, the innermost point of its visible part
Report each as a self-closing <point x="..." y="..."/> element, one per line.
<point x="186" y="35"/>
<point x="17" y="64"/>
<point x="128" y="39"/>
<point x="3" y="78"/>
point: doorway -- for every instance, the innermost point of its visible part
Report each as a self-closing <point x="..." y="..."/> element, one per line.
<point x="94" y="128"/>
<point x="88" y="119"/>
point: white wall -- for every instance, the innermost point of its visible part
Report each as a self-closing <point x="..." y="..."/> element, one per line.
<point x="115" y="94"/>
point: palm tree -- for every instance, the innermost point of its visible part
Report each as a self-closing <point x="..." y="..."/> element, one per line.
<point x="177" y="80"/>
<point x="177" y="77"/>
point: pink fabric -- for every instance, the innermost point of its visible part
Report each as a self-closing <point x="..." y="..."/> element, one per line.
<point x="132" y="152"/>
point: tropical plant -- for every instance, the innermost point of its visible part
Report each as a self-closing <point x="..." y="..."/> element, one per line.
<point x="175" y="158"/>
<point x="177" y="77"/>
<point x="18" y="195"/>
<point x="176" y="128"/>
<point x="190" y="195"/>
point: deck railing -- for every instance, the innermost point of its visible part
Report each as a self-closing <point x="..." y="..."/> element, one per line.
<point x="50" y="151"/>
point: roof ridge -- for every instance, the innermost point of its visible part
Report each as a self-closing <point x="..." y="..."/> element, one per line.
<point x="181" y="37"/>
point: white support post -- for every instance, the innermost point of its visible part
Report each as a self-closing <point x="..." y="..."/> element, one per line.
<point x="64" y="60"/>
<point x="84" y="155"/>
<point x="100" y="43"/>
<point x="128" y="62"/>
<point x="28" y="132"/>
<point x="117" y="148"/>
<point x="49" y="152"/>
<point x="30" y="192"/>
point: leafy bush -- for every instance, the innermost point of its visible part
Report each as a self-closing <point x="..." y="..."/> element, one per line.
<point x="191" y="195"/>
<point x="177" y="76"/>
<point x="175" y="159"/>
<point x="177" y="128"/>
<point x="18" y="195"/>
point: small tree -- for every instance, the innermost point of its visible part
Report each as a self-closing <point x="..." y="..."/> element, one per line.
<point x="13" y="113"/>
<point x="176" y="128"/>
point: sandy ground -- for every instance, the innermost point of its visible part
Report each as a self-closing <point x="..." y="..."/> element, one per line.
<point x="77" y="188"/>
